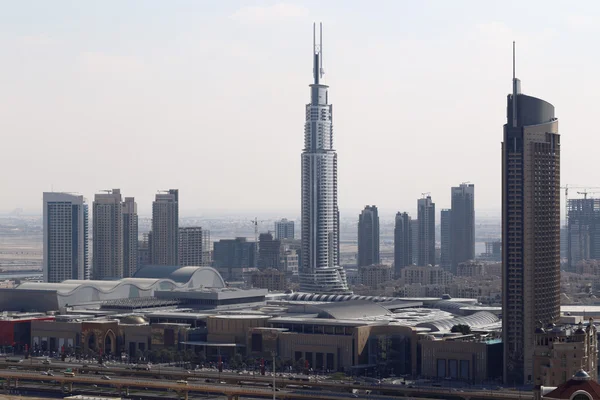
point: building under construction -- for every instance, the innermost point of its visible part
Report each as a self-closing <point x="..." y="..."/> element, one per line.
<point x="583" y="231"/>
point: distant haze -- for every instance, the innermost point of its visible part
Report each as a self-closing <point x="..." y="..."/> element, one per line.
<point x="208" y="97"/>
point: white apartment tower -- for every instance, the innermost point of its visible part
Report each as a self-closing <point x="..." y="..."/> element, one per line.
<point x="65" y="237"/>
<point x="165" y="228"/>
<point x="284" y="229"/>
<point x="107" y="237"/>
<point x="194" y="246"/>
<point x="130" y="237"/>
<point x="320" y="271"/>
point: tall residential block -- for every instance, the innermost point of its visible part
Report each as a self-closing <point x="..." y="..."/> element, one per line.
<point x="403" y="238"/>
<point x="65" y="237"/>
<point x="583" y="231"/>
<point x="284" y="229"/>
<point x="107" y="236"/>
<point x="463" y="224"/>
<point x="192" y="251"/>
<point x="530" y="229"/>
<point x="446" y="239"/>
<point x="320" y="271"/>
<point x="414" y="224"/>
<point x="165" y="228"/>
<point x="269" y="252"/>
<point x="130" y="237"/>
<point x="368" y="237"/>
<point x="426" y="241"/>
<point x="234" y="253"/>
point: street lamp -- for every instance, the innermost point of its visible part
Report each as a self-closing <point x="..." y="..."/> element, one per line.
<point x="273" y="354"/>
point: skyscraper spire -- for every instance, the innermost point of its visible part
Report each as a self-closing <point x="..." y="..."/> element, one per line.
<point x="516" y="89"/>
<point x="320" y="271"/>
<point x="317" y="53"/>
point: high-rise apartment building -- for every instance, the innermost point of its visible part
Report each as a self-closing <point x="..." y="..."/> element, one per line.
<point x="145" y="250"/>
<point x="463" y="224"/>
<point x="583" y="231"/>
<point x="107" y="219"/>
<point x="269" y="251"/>
<point x="289" y="262"/>
<point x="368" y="237"/>
<point x="165" y="228"/>
<point x="65" y="237"/>
<point x="284" y="229"/>
<point x="403" y="238"/>
<point x="130" y="237"/>
<point x="530" y="228"/>
<point x="320" y="271"/>
<point x="426" y="235"/>
<point x="446" y="239"/>
<point x="191" y="246"/>
<point x="414" y="224"/>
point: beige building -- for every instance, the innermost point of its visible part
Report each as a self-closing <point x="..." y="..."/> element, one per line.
<point x="271" y="279"/>
<point x="374" y="275"/>
<point x="560" y="352"/>
<point x="425" y="275"/>
<point x="465" y="358"/>
<point x="108" y="235"/>
<point x="130" y="334"/>
<point x="470" y="269"/>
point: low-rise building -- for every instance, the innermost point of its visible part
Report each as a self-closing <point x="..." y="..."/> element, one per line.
<point x="466" y="358"/>
<point x="374" y="275"/>
<point x="561" y="351"/>
<point x="271" y="279"/>
<point x="425" y="275"/>
<point x="470" y="269"/>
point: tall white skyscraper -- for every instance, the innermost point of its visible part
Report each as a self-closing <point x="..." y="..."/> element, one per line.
<point x="65" y="237"/>
<point x="320" y="271"/>
<point x="107" y="220"/>
<point x="165" y="228"/>
<point x="130" y="237"/>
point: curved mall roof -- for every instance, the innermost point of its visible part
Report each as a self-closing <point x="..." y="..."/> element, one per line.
<point x="71" y="292"/>
<point x="478" y="320"/>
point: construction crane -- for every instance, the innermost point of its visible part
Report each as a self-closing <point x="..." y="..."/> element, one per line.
<point x="566" y="188"/>
<point x="255" y="222"/>
<point x="585" y="193"/>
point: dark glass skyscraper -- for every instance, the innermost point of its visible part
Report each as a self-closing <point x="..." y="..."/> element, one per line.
<point x="402" y="243"/>
<point x="530" y="229"/>
<point x="426" y="242"/>
<point x="446" y="239"/>
<point x="462" y="225"/>
<point x="368" y="237"/>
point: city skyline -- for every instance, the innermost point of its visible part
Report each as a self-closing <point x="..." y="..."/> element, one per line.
<point x="103" y="67"/>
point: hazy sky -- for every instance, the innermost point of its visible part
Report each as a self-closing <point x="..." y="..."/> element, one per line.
<point x="208" y="97"/>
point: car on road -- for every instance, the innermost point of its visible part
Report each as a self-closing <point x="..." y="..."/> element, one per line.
<point x="106" y="378"/>
<point x="182" y="382"/>
<point x="46" y="362"/>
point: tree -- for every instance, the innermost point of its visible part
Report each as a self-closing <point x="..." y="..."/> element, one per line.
<point x="461" y="328"/>
<point x="237" y="361"/>
<point x="300" y="364"/>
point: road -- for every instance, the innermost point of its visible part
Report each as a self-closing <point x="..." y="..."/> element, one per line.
<point x="233" y="380"/>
